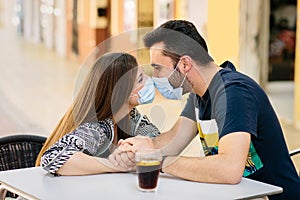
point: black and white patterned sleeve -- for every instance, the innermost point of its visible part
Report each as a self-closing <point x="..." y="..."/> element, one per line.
<point x="90" y="138"/>
<point x="142" y="125"/>
<point x="61" y="151"/>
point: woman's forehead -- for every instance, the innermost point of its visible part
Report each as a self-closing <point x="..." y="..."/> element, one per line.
<point x="140" y="70"/>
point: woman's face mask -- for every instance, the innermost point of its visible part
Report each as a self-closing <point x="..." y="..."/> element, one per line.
<point x="146" y="94"/>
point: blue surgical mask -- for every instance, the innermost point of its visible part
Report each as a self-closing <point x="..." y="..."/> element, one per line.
<point x="166" y="89"/>
<point x="147" y="93"/>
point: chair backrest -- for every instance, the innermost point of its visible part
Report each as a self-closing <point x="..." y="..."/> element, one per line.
<point x="19" y="151"/>
<point x="295" y="152"/>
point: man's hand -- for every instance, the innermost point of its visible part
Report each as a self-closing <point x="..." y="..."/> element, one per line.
<point x="124" y="155"/>
<point x="136" y="143"/>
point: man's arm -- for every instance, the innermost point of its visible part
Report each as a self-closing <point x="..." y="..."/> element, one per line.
<point x="225" y="167"/>
<point x="177" y="138"/>
<point x="171" y="142"/>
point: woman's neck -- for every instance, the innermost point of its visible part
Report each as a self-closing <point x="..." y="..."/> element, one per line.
<point x="119" y="115"/>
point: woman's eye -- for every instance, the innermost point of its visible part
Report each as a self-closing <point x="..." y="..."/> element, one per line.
<point x="140" y="80"/>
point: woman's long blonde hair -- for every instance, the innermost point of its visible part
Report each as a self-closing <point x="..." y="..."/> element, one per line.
<point x="97" y="95"/>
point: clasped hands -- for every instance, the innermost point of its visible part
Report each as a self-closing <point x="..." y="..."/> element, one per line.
<point x="124" y="156"/>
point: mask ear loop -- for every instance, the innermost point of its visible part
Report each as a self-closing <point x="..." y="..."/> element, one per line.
<point x="174" y="69"/>
<point x="183" y="79"/>
<point x="179" y="72"/>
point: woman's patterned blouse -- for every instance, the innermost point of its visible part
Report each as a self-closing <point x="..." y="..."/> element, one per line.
<point x="94" y="139"/>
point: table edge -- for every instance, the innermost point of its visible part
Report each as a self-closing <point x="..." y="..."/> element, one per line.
<point x="6" y="187"/>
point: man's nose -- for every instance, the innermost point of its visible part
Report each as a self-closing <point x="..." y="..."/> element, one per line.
<point x="155" y="73"/>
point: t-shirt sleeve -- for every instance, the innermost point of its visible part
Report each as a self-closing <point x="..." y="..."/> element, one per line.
<point x="60" y="152"/>
<point x="90" y="138"/>
<point x="189" y="109"/>
<point x="236" y="110"/>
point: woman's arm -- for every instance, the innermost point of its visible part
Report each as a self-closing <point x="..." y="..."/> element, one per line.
<point x="73" y="153"/>
<point x="82" y="164"/>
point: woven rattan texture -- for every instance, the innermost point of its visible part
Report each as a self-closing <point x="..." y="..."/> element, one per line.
<point x="19" y="151"/>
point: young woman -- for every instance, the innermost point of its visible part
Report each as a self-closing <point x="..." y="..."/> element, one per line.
<point x="102" y="114"/>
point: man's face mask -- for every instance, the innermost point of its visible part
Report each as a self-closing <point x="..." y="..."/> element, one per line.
<point x="173" y="86"/>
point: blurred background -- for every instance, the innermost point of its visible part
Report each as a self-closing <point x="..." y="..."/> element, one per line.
<point x="45" y="45"/>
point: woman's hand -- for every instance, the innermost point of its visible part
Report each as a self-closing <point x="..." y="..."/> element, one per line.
<point x="124" y="155"/>
<point x="114" y="168"/>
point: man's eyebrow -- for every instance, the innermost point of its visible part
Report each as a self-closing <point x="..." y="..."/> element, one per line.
<point x="155" y="65"/>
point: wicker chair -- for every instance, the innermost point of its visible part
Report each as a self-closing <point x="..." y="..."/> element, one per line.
<point x="19" y="151"/>
<point x="294" y="152"/>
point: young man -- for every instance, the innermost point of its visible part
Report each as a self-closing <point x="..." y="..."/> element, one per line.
<point x="237" y="125"/>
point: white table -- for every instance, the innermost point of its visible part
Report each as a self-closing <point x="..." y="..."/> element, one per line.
<point x="35" y="183"/>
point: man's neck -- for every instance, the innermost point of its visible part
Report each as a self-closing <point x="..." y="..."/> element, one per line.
<point x="206" y="74"/>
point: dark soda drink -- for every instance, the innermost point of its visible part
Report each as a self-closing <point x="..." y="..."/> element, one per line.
<point x="148" y="172"/>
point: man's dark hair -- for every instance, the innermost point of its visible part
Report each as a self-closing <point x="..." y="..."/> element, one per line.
<point x="180" y="38"/>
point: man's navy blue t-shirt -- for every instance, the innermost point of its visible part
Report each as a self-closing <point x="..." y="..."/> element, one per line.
<point x="234" y="103"/>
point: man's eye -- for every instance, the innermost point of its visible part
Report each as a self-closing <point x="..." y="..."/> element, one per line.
<point x="158" y="68"/>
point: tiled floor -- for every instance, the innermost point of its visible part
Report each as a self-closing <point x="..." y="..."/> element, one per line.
<point x="36" y="88"/>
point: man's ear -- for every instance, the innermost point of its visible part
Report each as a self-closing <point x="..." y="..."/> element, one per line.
<point x="186" y="64"/>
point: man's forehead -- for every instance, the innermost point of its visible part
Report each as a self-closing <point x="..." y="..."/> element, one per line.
<point x="159" y="46"/>
<point x="156" y="52"/>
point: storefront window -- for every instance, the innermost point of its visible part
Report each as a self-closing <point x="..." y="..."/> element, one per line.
<point x="165" y="11"/>
<point x="282" y="40"/>
<point x="129" y="15"/>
